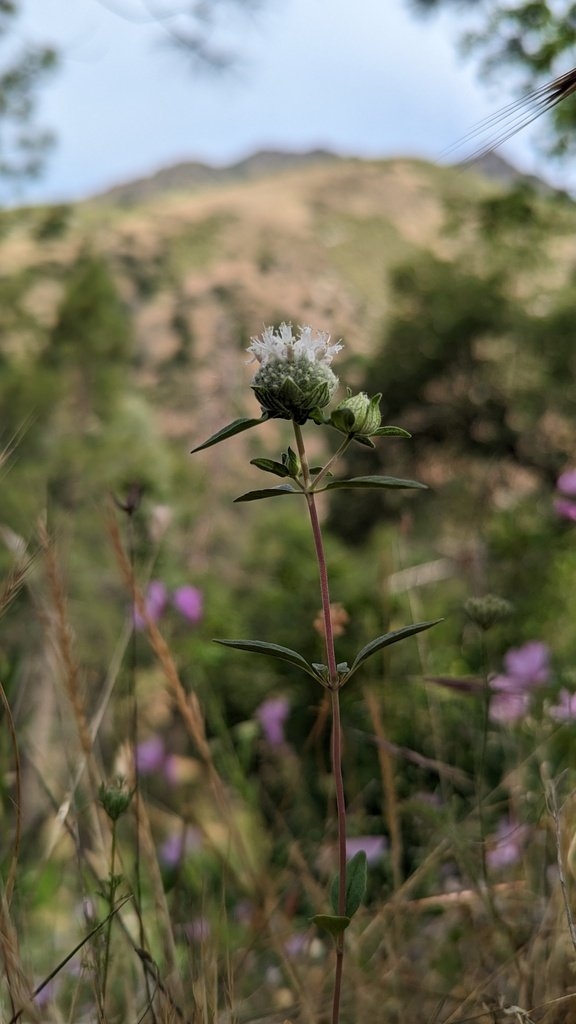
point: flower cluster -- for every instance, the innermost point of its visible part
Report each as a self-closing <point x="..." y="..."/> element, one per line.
<point x="565" y="503"/>
<point x="526" y="668"/>
<point x="294" y="377"/>
<point x="186" y="600"/>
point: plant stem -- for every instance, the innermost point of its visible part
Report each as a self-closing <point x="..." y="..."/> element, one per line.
<point x="336" y="741"/>
<point x="111" y="896"/>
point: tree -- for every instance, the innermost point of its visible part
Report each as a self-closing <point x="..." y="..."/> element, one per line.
<point x="90" y="342"/>
<point x="22" y="144"/>
<point x="537" y="38"/>
<point x="193" y="29"/>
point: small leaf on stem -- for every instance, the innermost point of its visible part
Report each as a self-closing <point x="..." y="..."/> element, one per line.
<point x="356" y="882"/>
<point x="384" y="641"/>
<point x="274" y="651"/>
<point x="373" y="481"/>
<point x="332" y="923"/>
<point x="236" y="427"/>
<point x="268" y="492"/>
<point x="270" y="466"/>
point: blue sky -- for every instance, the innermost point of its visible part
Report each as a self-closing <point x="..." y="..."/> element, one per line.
<point x="361" y="77"/>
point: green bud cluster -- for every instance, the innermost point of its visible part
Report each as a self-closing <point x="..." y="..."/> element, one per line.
<point x="115" y="798"/>
<point x="488" y="610"/>
<point x="358" y="414"/>
<point x="292" y="390"/>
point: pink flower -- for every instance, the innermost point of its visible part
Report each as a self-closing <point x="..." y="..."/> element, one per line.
<point x="529" y="665"/>
<point x="150" y="755"/>
<point x="179" y="845"/>
<point x="526" y="668"/>
<point x="566" y="509"/>
<point x="565" y="709"/>
<point x="507" y="707"/>
<point x="188" y="601"/>
<point x="373" y="846"/>
<point x="155" y="601"/>
<point x="566" y="483"/>
<point x="271" y="715"/>
<point x="505" y="846"/>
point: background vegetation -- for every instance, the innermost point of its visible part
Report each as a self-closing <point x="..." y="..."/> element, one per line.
<point x="122" y="346"/>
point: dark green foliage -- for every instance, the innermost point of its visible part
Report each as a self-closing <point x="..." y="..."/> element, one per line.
<point x="53" y="223"/>
<point x="90" y="343"/>
<point x="22" y="145"/>
<point x="536" y="37"/>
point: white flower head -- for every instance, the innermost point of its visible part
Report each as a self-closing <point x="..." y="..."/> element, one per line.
<point x="294" y="376"/>
<point x="282" y="346"/>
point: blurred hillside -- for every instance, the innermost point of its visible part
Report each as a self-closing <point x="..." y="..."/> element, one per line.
<point x="124" y="325"/>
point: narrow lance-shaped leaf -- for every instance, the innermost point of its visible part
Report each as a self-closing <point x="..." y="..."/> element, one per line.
<point x="274" y="651"/>
<point x="236" y="427"/>
<point x="356" y="882"/>
<point x="270" y="466"/>
<point x="390" y="432"/>
<point x="373" y="481"/>
<point x="268" y="492"/>
<point x="388" y="638"/>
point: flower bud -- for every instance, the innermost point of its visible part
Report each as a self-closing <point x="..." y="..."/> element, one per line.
<point x="115" y="798"/>
<point x="488" y="610"/>
<point x="358" y="414"/>
<point x="292" y="463"/>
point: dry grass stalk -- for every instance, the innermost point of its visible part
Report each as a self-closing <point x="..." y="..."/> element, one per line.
<point x="60" y="635"/>
<point x="17" y="801"/>
<point x="187" y="704"/>
<point x="18" y="984"/>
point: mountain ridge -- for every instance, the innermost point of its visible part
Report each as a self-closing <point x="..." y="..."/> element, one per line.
<point x="193" y="175"/>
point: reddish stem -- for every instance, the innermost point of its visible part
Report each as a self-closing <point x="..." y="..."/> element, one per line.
<point x="336" y="741"/>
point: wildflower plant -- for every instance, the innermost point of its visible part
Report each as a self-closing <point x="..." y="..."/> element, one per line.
<point x="295" y="381"/>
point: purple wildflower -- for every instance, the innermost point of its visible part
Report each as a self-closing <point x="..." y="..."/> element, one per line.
<point x="373" y="846"/>
<point x="178" y="846"/>
<point x="565" y="509"/>
<point x="506" y="707"/>
<point x="505" y="846"/>
<point x="188" y="601"/>
<point x="529" y="665"/>
<point x="296" y="944"/>
<point x="150" y="755"/>
<point x="565" y="709"/>
<point x="155" y="603"/>
<point x="566" y="483"/>
<point x="271" y="715"/>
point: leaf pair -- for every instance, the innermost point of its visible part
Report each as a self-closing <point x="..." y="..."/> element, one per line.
<point x="319" y="672"/>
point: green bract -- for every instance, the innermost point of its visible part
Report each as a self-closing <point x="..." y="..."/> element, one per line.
<point x="358" y="414"/>
<point x="292" y="390"/>
<point x="294" y="378"/>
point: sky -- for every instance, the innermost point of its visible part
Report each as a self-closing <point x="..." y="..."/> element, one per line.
<point x="359" y="77"/>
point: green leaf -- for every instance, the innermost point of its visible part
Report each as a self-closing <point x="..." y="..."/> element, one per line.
<point x="274" y="651"/>
<point x="388" y="638"/>
<point x="373" y="481"/>
<point x="390" y="432"/>
<point x="268" y="492"/>
<point x="269" y="466"/>
<point x="360" y="439"/>
<point x="356" y="882"/>
<point x="233" y="428"/>
<point x="332" y="923"/>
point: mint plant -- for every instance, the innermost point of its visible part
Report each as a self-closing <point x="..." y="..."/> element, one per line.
<point x="295" y="381"/>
